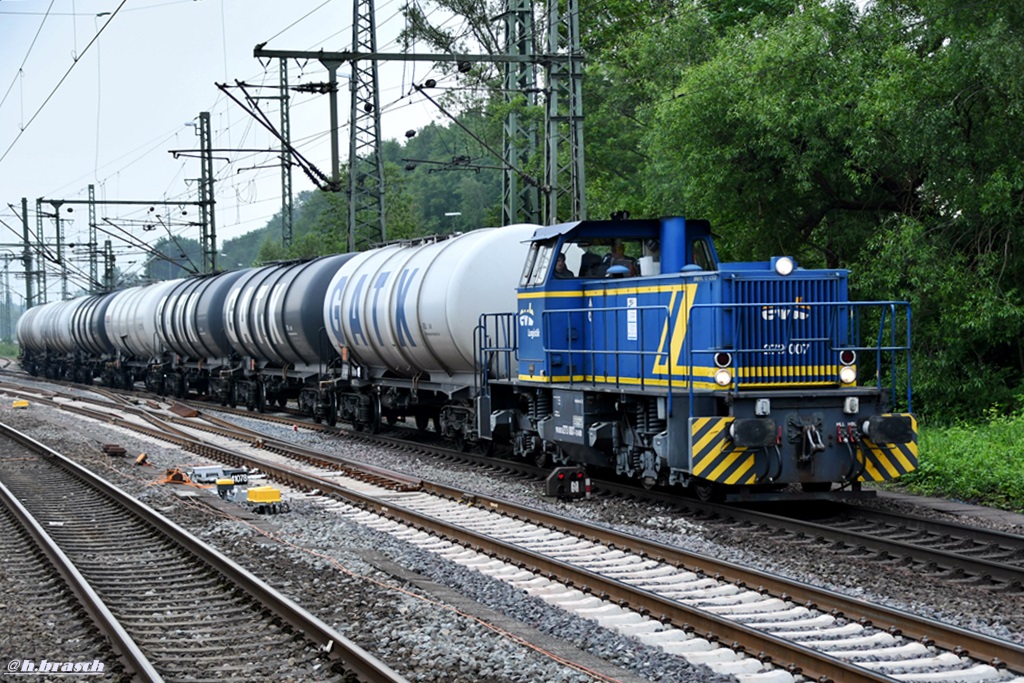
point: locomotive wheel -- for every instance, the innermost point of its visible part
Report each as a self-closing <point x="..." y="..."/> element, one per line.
<point x="816" y="486"/>
<point x="461" y="444"/>
<point x="708" y="492"/>
<point x="542" y="459"/>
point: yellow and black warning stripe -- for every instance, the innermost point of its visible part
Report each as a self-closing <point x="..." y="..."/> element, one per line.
<point x="714" y="457"/>
<point x="889" y="460"/>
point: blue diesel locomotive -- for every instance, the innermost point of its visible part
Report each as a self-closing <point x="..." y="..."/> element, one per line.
<point x="624" y="345"/>
<point x="734" y="379"/>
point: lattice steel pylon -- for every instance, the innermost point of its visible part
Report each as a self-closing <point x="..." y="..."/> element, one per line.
<point x="366" y="166"/>
<point x="287" y="213"/>
<point x="208" y="227"/>
<point x="564" y="179"/>
<point x="520" y="200"/>
<point x="93" y="246"/>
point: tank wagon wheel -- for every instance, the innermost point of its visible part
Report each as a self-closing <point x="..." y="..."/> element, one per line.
<point x="183" y="387"/>
<point x="261" y="397"/>
<point x="281" y="401"/>
<point x="332" y="412"/>
<point x="375" y="415"/>
<point x="232" y="397"/>
<point x="422" y="422"/>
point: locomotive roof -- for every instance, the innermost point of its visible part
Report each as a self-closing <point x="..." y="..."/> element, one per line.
<point x="641" y="228"/>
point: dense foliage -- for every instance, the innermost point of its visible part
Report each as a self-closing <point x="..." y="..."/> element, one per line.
<point x="883" y="138"/>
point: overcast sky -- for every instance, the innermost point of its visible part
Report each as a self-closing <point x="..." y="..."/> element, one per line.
<point x="131" y="93"/>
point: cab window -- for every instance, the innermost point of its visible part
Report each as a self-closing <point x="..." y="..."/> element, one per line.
<point x="538" y="263"/>
<point x="702" y="255"/>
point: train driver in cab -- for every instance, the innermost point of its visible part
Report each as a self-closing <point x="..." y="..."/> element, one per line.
<point x="562" y="271"/>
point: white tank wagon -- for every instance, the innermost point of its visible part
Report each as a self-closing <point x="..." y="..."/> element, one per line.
<point x="190" y="324"/>
<point x="273" y="318"/>
<point x="65" y="339"/>
<point x="88" y="328"/>
<point x="403" y="316"/>
<point x="131" y="323"/>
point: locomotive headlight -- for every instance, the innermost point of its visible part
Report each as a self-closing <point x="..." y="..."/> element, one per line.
<point x="723" y="377"/>
<point x="723" y="359"/>
<point x="847" y="374"/>
<point x="784" y="265"/>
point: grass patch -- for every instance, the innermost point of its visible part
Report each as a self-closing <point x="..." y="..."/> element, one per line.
<point x="976" y="463"/>
<point x="9" y="350"/>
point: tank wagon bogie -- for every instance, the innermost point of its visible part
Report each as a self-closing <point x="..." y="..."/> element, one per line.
<point x="625" y="345"/>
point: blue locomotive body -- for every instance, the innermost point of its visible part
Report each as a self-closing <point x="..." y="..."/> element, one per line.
<point x="656" y="360"/>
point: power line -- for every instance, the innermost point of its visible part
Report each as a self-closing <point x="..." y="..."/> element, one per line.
<point x="61" y="81"/>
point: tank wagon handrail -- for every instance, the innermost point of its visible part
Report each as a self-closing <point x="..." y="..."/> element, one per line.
<point x="503" y="326"/>
<point x="802" y="354"/>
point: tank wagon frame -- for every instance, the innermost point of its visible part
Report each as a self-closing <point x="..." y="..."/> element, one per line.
<point x="643" y="354"/>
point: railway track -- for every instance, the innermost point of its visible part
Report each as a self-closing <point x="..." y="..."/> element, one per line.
<point x="939" y="548"/>
<point x="697" y="603"/>
<point x="880" y="644"/>
<point x="178" y="609"/>
<point x="47" y="621"/>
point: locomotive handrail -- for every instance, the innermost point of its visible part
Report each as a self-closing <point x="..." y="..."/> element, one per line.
<point x="844" y="331"/>
<point x="640" y="353"/>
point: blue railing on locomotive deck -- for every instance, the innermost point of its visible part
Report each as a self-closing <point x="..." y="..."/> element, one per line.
<point x="772" y="346"/>
<point x="799" y="344"/>
<point x="597" y="351"/>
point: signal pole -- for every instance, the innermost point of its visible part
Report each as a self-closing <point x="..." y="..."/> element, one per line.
<point x="286" y="166"/>
<point x="93" y="246"/>
<point x="41" y="250"/>
<point x="563" y="116"/>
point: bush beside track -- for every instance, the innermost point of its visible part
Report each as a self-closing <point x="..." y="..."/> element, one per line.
<point x="977" y="463"/>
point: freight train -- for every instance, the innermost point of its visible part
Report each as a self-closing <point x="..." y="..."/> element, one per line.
<point x="624" y="345"/>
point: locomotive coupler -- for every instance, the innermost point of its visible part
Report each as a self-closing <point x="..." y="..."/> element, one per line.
<point x="811" y="442"/>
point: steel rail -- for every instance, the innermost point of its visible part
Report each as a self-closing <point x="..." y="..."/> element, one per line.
<point x="787" y="654"/>
<point x="979" y="646"/>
